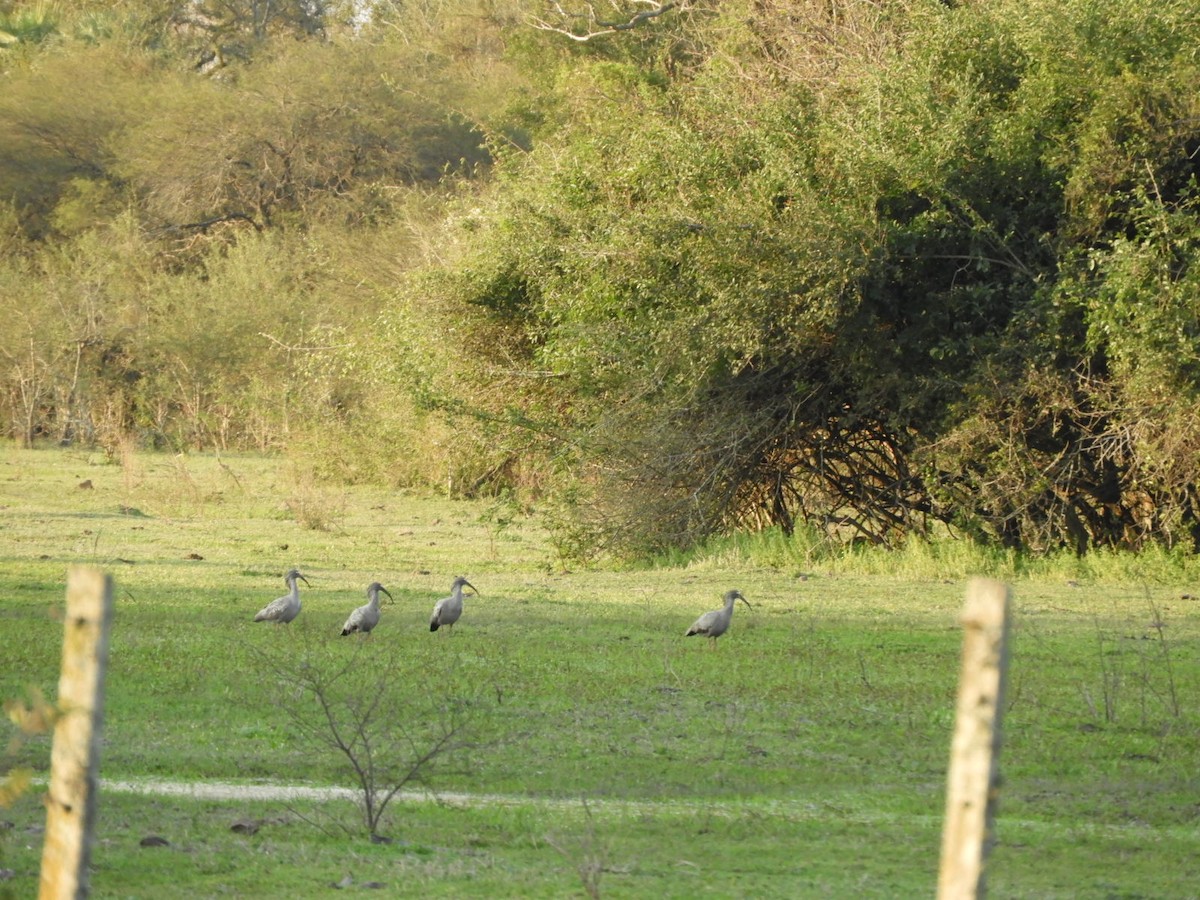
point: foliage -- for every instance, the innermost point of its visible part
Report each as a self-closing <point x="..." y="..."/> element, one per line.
<point x="133" y="305"/>
<point x="852" y="307"/>
<point x="32" y="718"/>
<point x="876" y="271"/>
<point x="26" y="25"/>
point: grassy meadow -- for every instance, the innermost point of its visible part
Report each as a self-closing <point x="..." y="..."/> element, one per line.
<point x="595" y="750"/>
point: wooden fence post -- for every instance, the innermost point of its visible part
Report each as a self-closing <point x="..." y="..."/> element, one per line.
<point x="974" y="753"/>
<point x="71" y="797"/>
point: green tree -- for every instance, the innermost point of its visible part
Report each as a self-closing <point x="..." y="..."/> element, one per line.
<point x="61" y="119"/>
<point x="809" y="297"/>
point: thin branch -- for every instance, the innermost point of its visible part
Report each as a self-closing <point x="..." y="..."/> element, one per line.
<point x="204" y="224"/>
<point x="596" y="26"/>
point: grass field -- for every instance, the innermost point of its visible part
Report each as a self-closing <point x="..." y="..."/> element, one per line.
<point x="597" y="749"/>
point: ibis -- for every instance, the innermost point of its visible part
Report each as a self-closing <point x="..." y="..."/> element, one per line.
<point x="715" y="623"/>
<point x="448" y="609"/>
<point x="284" y="609"/>
<point x="366" y="617"/>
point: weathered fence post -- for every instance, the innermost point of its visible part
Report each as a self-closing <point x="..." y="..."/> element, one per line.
<point x="71" y="798"/>
<point x="974" y="753"/>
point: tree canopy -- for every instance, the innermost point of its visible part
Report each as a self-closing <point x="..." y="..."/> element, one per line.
<point x="871" y="269"/>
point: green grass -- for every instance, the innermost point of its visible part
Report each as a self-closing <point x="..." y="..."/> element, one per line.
<point x="805" y="756"/>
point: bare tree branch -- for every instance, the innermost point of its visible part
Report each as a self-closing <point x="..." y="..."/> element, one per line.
<point x="586" y="24"/>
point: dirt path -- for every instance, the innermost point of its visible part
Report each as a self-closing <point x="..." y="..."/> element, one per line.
<point x="225" y="790"/>
<point x="796" y="809"/>
<point x="221" y="790"/>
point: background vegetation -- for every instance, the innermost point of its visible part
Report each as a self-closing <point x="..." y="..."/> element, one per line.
<point x="871" y="269"/>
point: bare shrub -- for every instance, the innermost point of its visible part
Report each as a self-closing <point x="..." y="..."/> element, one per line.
<point x="394" y="727"/>
<point x="587" y="851"/>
